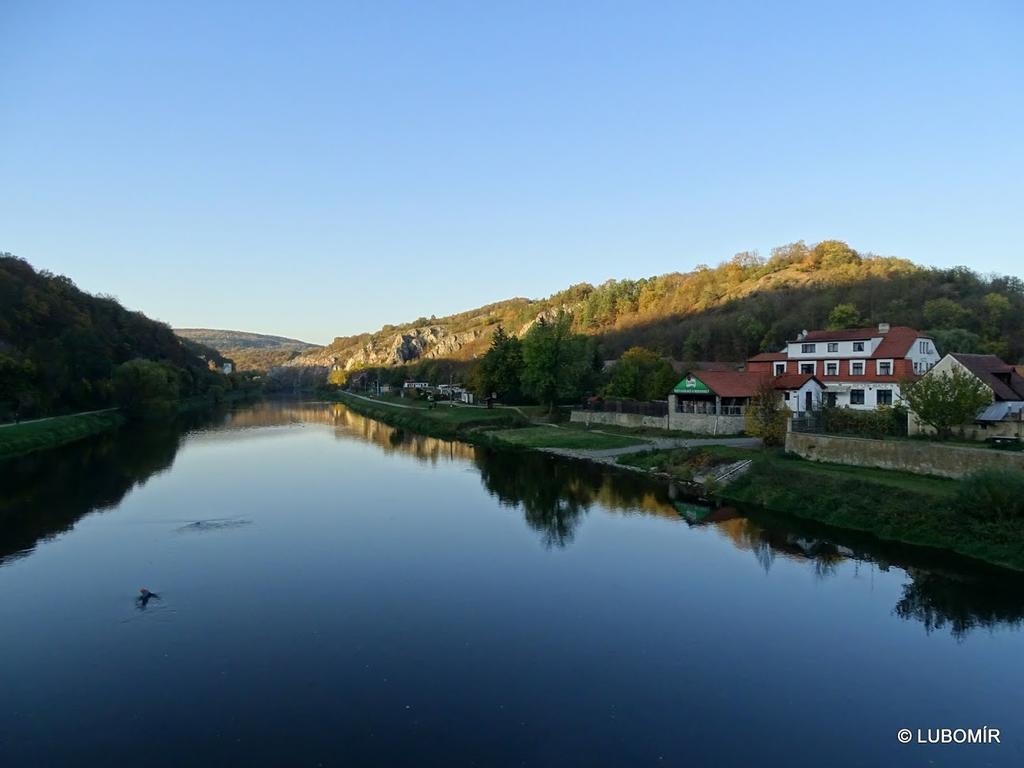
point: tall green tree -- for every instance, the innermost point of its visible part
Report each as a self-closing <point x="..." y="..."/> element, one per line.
<point x="640" y="374"/>
<point x="946" y="399"/>
<point x="843" y="316"/>
<point x="557" y="363"/>
<point x="500" y="370"/>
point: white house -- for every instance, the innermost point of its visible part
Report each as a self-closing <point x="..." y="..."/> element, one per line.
<point x="860" y="368"/>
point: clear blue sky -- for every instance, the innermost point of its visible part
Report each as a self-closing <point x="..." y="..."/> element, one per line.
<point x="317" y="169"/>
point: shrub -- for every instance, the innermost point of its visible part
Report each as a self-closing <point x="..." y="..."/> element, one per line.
<point x="992" y="494"/>
<point x="883" y="422"/>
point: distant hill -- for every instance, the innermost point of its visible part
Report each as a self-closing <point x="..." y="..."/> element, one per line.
<point x="743" y="306"/>
<point x="59" y="345"/>
<point x="249" y="351"/>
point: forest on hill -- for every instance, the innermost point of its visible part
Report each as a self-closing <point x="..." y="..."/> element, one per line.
<point x="60" y="347"/>
<point x="249" y="351"/>
<point x="743" y="306"/>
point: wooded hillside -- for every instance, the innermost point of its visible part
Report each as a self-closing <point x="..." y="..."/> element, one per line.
<point x="249" y="351"/>
<point x="743" y="306"/>
<point x="59" y="345"/>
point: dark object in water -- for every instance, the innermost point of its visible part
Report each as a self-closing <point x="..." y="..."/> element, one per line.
<point x="145" y="596"/>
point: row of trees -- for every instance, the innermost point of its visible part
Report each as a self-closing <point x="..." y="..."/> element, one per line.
<point x="549" y="364"/>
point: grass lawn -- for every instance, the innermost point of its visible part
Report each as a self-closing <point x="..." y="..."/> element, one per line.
<point x="894" y="506"/>
<point x="18" y="439"/>
<point x="635" y="431"/>
<point x="555" y="437"/>
<point x="441" y="421"/>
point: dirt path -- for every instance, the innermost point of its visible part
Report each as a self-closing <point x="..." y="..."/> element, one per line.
<point x="51" y="418"/>
<point x="658" y="443"/>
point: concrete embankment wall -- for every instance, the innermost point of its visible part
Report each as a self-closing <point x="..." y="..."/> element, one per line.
<point x="706" y="424"/>
<point x="906" y="455"/>
<point x="619" y="419"/>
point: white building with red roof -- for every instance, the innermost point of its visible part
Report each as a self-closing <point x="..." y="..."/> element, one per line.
<point x="860" y="368"/>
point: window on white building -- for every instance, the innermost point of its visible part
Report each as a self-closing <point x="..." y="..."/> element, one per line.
<point x="857" y="368"/>
<point x="858" y="346"/>
<point x="883" y="397"/>
<point x="833" y="346"/>
<point x="924" y="347"/>
<point x="856" y="397"/>
<point x="808" y="348"/>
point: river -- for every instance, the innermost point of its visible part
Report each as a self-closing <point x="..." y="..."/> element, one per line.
<point x="333" y="591"/>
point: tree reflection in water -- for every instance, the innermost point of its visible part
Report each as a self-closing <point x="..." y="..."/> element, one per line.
<point x="47" y="493"/>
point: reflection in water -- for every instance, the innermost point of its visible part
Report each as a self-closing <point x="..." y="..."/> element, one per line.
<point x="940" y="600"/>
<point x="45" y="494"/>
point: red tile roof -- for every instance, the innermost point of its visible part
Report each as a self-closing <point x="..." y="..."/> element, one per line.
<point x="896" y="342"/>
<point x="768" y="356"/>
<point x="747" y="383"/>
<point x="1000" y="377"/>
<point x="731" y="383"/>
<point x="794" y="380"/>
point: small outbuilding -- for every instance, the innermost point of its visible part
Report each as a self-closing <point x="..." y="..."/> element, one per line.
<point x="715" y="402"/>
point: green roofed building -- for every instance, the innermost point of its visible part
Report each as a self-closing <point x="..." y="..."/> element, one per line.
<point x="715" y="402"/>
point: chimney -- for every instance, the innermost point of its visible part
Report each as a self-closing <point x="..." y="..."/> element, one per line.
<point x="883" y="327"/>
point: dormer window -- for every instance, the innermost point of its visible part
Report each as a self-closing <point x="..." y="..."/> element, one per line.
<point x="831" y="369"/>
<point x="807" y="368"/>
<point x="884" y="368"/>
<point x="805" y="348"/>
<point x="924" y="347"/>
<point x="858" y="346"/>
<point x="780" y="368"/>
<point x="857" y="368"/>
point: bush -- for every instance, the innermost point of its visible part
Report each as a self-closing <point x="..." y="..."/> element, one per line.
<point x="883" y="422"/>
<point x="992" y="494"/>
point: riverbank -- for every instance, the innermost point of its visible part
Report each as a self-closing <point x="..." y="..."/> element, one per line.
<point x="41" y="434"/>
<point x="54" y="431"/>
<point x="507" y="427"/>
<point x="892" y="506"/>
<point x="896" y="507"/>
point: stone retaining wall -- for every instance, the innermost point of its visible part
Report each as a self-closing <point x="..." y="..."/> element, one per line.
<point x="619" y="419"/>
<point x="922" y="457"/>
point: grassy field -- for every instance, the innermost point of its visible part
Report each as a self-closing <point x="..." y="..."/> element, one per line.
<point x="555" y="437"/>
<point x="19" y="439"/>
<point x="453" y="422"/>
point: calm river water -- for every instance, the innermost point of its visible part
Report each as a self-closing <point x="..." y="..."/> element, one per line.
<point x="337" y="592"/>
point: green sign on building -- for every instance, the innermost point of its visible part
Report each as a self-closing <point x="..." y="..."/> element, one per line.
<point x="693" y="386"/>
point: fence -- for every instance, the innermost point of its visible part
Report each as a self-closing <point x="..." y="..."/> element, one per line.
<point x="635" y="407"/>
<point x="808" y="422"/>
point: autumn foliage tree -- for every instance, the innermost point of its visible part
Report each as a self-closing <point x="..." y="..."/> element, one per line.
<point x="766" y="416"/>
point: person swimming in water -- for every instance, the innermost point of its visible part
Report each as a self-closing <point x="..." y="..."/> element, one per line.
<point x="145" y="596"/>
